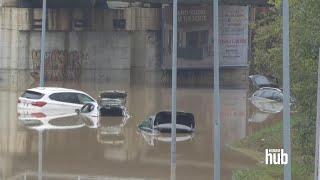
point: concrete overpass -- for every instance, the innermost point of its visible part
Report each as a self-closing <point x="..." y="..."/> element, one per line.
<point x="103" y="3"/>
<point x="90" y="36"/>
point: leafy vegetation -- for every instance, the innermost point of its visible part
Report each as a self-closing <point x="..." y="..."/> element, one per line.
<point x="267" y="59"/>
<point x="304" y="50"/>
<point x="271" y="138"/>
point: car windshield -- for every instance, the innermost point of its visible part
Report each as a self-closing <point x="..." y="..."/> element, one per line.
<point x="270" y="94"/>
<point x="146" y="123"/>
<point x="263" y="80"/>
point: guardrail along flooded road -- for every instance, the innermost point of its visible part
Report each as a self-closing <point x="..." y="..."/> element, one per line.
<point x="75" y="147"/>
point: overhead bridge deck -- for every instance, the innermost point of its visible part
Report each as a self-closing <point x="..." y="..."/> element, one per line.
<point x="103" y="3"/>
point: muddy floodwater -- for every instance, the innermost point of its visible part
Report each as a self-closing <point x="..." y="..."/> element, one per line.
<point x="85" y="152"/>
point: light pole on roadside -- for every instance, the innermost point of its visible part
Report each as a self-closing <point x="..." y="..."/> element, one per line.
<point x="43" y="39"/>
<point x="173" y="88"/>
<point x="216" y="93"/>
<point x="40" y="155"/>
<point x="286" y="89"/>
<point x="317" y="153"/>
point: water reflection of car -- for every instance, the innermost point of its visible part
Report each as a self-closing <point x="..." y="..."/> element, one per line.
<point x="257" y="116"/>
<point x="112" y="103"/>
<point x="109" y="128"/>
<point x="152" y="139"/>
<point x="53" y="99"/>
<point x="161" y="123"/>
<point x="268" y="100"/>
<point x="42" y="121"/>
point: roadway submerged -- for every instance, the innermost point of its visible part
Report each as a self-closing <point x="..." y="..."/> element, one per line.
<point x="83" y="153"/>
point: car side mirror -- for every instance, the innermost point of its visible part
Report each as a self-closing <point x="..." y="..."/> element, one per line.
<point x="77" y="111"/>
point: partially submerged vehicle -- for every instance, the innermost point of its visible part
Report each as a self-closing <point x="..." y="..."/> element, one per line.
<point x="112" y="103"/>
<point x="53" y="99"/>
<point x="259" y="81"/>
<point x="161" y="123"/>
<point x="269" y="100"/>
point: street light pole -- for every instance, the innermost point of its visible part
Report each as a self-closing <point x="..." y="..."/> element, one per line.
<point x="174" y="87"/>
<point x="286" y="90"/>
<point x="40" y="149"/>
<point x="317" y="153"/>
<point x="216" y="93"/>
<point x="43" y="38"/>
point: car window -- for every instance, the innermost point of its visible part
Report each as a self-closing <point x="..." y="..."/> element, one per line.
<point x="262" y="80"/>
<point x="65" y="97"/>
<point x="83" y="99"/>
<point x="267" y="94"/>
<point x="32" y="95"/>
<point x="147" y="123"/>
<point x="258" y="94"/>
<point x="277" y="96"/>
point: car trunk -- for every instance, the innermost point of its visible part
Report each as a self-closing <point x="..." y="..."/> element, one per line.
<point x="182" y="119"/>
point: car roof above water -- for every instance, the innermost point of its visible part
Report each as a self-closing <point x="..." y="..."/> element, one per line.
<point x="52" y="89"/>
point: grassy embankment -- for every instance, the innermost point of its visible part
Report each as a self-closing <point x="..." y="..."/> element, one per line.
<point x="271" y="138"/>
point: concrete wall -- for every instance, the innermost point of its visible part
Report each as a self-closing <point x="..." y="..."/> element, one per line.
<point x="96" y="47"/>
<point x="146" y="50"/>
<point x="88" y="50"/>
<point x="96" y="50"/>
<point x="8" y="3"/>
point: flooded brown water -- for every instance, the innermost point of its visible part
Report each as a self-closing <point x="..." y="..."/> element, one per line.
<point x="82" y="153"/>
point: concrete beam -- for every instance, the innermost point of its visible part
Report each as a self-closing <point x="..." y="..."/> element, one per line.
<point x="102" y="3"/>
<point x="222" y="2"/>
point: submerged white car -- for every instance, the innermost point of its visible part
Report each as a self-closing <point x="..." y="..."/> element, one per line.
<point x="53" y="100"/>
<point x="269" y="100"/>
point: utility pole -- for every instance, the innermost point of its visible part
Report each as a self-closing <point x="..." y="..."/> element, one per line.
<point x="216" y="93"/>
<point x="40" y="149"/>
<point x="317" y="154"/>
<point x="43" y="39"/>
<point x="174" y="89"/>
<point x="286" y="89"/>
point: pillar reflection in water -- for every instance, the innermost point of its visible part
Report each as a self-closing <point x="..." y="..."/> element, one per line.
<point x="40" y="149"/>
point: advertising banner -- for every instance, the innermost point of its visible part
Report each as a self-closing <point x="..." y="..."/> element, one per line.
<point x="195" y="37"/>
<point x="233" y="30"/>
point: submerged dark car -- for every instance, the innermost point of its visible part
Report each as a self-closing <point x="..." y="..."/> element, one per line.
<point x="161" y="123"/>
<point x="112" y="103"/>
